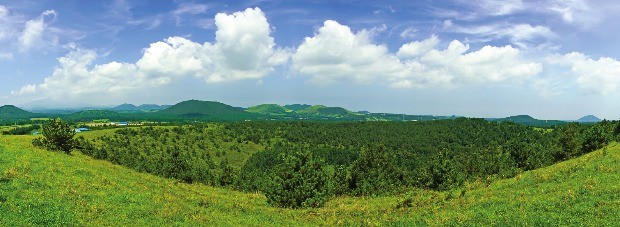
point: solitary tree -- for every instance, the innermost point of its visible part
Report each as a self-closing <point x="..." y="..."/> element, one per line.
<point x="57" y="136"/>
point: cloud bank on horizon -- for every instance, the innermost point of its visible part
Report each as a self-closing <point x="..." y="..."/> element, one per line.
<point x="468" y="46"/>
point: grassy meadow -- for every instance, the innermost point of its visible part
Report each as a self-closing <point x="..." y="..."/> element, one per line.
<point x="39" y="187"/>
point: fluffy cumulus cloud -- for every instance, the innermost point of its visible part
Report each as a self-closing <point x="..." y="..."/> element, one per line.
<point x="454" y="65"/>
<point x="243" y="49"/>
<point x="76" y="76"/>
<point x="600" y="76"/>
<point x="418" y="48"/>
<point x="335" y="54"/>
<point x="34" y="30"/>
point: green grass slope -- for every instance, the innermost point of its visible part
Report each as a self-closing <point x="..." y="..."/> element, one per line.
<point x="38" y="187"/>
<point x="269" y="109"/>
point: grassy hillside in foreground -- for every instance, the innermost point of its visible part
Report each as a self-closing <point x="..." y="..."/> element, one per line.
<point x="46" y="188"/>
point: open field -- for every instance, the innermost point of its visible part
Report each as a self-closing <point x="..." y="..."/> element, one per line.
<point x="47" y="188"/>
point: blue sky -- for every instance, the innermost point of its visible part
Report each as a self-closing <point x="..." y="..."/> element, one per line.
<point x="552" y="59"/>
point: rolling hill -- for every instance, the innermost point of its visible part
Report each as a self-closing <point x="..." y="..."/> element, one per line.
<point x="205" y="109"/>
<point x="269" y="109"/>
<point x="296" y="107"/>
<point x="528" y="120"/>
<point x="10" y="111"/>
<point x="125" y="107"/>
<point x="13" y="112"/>
<point x="84" y="191"/>
<point x="324" y="111"/>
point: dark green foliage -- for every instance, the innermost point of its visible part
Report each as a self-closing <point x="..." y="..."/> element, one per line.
<point x="227" y="173"/>
<point x="445" y="171"/>
<point x="57" y="136"/>
<point x="568" y="141"/>
<point x="13" y="112"/>
<point x="595" y="137"/>
<point x="22" y="130"/>
<point x="299" y="181"/>
<point x="339" y="180"/>
<point x="205" y="109"/>
<point x="297" y="107"/>
<point x="360" y="158"/>
<point x="255" y="173"/>
<point x="528" y="120"/>
<point x="375" y="172"/>
<point x="616" y="132"/>
<point x="159" y="151"/>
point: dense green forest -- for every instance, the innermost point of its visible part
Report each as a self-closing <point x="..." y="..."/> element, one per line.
<point x="286" y="160"/>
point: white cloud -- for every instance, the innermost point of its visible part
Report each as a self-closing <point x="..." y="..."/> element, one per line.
<point x="501" y="8"/>
<point x="7" y="23"/>
<point x="600" y="76"/>
<point x="447" y="24"/>
<point x="75" y="78"/>
<point x="243" y="49"/>
<point x="487" y="64"/>
<point x="573" y="11"/>
<point x="408" y="33"/>
<point x="417" y="48"/>
<point x="336" y="54"/>
<point x="176" y="56"/>
<point x="521" y="35"/>
<point x="34" y="30"/>
<point x="188" y="9"/>
<point x="4" y="12"/>
<point x="6" y="56"/>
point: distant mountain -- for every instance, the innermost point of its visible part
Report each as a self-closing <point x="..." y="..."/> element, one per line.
<point x="321" y="110"/>
<point x="519" y="119"/>
<point x="125" y="107"/>
<point x="589" y="119"/>
<point x="270" y="109"/>
<point x="153" y="107"/>
<point x="142" y="108"/>
<point x="205" y="109"/>
<point x="528" y="120"/>
<point x="13" y="112"/>
<point x="296" y="107"/>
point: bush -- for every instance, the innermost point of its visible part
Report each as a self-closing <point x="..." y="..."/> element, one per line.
<point x="374" y="172"/>
<point x="300" y="181"/>
<point x="57" y="136"/>
<point x="227" y="173"/>
<point x="568" y="141"/>
<point x="595" y="138"/>
<point x="617" y="131"/>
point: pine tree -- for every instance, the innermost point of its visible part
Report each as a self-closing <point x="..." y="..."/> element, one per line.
<point x="57" y="136"/>
<point x="300" y="181"/>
